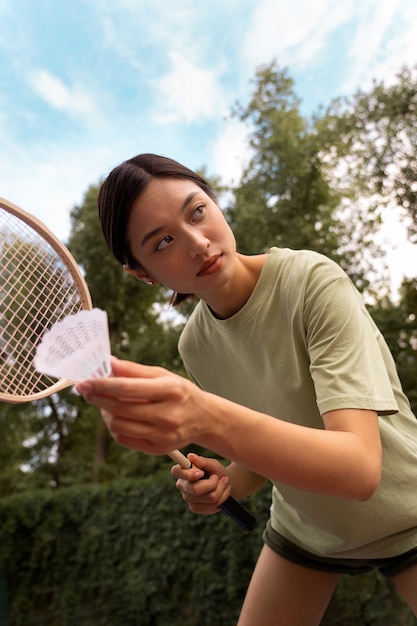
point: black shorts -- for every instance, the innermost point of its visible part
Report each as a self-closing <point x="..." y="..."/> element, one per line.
<point x="389" y="567"/>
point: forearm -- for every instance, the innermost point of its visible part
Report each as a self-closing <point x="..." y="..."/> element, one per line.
<point x="330" y="462"/>
<point x="243" y="482"/>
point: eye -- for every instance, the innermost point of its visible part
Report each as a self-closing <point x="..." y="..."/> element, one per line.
<point x="197" y="213"/>
<point x="164" y="242"/>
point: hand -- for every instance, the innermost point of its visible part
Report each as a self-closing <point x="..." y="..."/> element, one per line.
<point x="147" y="408"/>
<point x="203" y="496"/>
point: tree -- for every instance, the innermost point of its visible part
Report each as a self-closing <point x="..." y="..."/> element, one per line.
<point x="287" y="195"/>
<point x="378" y="142"/>
<point x="14" y="430"/>
<point x="324" y="182"/>
<point x="398" y="324"/>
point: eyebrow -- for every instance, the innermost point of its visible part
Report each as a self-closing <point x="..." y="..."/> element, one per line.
<point x="159" y="229"/>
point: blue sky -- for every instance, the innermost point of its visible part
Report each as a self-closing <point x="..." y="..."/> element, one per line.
<point x="88" y="83"/>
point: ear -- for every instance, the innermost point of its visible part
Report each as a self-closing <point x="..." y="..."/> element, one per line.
<point x="140" y="274"/>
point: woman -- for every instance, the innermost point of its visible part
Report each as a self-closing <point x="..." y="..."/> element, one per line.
<point x="294" y="383"/>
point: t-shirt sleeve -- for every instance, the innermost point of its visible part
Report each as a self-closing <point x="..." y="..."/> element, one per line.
<point x="350" y="363"/>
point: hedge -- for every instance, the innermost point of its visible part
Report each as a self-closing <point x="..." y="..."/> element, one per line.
<point x="130" y="553"/>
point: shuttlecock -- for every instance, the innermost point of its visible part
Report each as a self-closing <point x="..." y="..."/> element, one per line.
<point x="76" y="348"/>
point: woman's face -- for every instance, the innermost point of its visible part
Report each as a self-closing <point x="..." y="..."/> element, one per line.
<point x="180" y="237"/>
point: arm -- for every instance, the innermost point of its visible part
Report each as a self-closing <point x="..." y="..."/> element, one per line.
<point x="243" y="481"/>
<point x="343" y="460"/>
<point x="152" y="410"/>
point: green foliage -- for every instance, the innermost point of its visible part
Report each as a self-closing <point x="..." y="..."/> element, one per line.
<point x="14" y="429"/>
<point x="323" y="182"/>
<point x="398" y="324"/>
<point x="287" y="195"/>
<point x="378" y="138"/>
<point x="283" y="195"/>
<point x="367" y="600"/>
<point x="131" y="553"/>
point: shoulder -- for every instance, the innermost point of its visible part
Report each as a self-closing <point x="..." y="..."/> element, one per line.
<point x="303" y="269"/>
<point x="302" y="259"/>
<point x="193" y="328"/>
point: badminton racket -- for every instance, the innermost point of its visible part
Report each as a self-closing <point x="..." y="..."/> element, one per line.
<point x="40" y="285"/>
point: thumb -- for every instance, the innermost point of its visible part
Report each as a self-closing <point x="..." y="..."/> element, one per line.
<point x="208" y="465"/>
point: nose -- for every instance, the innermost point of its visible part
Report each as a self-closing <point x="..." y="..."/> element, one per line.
<point x="198" y="243"/>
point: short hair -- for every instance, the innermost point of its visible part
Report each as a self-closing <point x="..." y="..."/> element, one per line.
<point x="120" y="190"/>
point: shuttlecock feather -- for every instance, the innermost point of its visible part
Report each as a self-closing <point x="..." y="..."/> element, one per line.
<point x="76" y="348"/>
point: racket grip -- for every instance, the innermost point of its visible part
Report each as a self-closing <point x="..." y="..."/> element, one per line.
<point x="239" y="514"/>
<point x="231" y="507"/>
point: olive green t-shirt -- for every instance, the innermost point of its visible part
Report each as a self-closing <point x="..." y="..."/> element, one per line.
<point x="302" y="345"/>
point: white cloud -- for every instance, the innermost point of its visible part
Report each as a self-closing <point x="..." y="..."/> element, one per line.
<point x="188" y="93"/>
<point x="373" y="20"/>
<point x="140" y="32"/>
<point x="73" y="100"/>
<point x="295" y="32"/>
<point x="49" y="180"/>
<point x="369" y="54"/>
<point x="400" y="255"/>
<point x="230" y="152"/>
<point x="303" y="36"/>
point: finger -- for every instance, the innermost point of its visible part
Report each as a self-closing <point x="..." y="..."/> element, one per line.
<point x="212" y="499"/>
<point x="207" y="490"/>
<point x="209" y="465"/>
<point x="141" y="444"/>
<point x="130" y="389"/>
<point x="124" y="369"/>
<point x="146" y="420"/>
<point x="190" y="475"/>
<point x="140" y="433"/>
<point x="203" y="509"/>
<point x="129" y="369"/>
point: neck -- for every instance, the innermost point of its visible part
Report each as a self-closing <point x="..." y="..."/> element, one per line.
<point x="236" y="293"/>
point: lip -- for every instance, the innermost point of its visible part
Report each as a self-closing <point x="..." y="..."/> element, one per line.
<point x="210" y="266"/>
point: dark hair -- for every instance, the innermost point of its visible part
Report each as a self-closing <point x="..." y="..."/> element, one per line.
<point x="122" y="187"/>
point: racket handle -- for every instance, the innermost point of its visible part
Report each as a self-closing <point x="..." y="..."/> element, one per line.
<point x="231" y="507"/>
<point x="239" y="514"/>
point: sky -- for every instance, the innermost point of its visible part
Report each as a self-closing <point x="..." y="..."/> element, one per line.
<point x="86" y="84"/>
